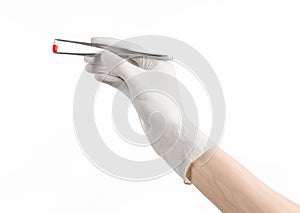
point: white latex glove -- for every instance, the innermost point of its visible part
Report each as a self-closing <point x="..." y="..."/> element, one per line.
<point x="147" y="83"/>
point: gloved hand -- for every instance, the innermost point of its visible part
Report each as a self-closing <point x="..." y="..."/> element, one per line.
<point x="151" y="86"/>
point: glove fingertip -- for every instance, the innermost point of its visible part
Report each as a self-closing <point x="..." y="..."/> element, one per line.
<point x="104" y="40"/>
<point x="109" y="57"/>
<point x="88" y="59"/>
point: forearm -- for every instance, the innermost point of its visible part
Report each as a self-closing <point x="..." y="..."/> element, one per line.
<point x="232" y="188"/>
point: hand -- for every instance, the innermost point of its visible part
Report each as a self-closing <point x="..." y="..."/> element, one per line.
<point x="152" y="87"/>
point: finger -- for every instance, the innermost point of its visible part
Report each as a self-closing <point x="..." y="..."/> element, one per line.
<point x="104" y="40"/>
<point x="88" y="58"/>
<point x="95" y="59"/>
<point x="107" y="78"/>
<point x="113" y="81"/>
<point x="96" y="68"/>
<point x="119" y="66"/>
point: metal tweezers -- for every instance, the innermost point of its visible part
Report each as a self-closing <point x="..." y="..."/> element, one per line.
<point x="122" y="52"/>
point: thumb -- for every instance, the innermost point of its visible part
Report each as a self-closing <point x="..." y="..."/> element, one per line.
<point x="113" y="81"/>
<point x="119" y="66"/>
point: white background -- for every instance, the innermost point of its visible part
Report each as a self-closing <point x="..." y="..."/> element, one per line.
<point x="253" y="46"/>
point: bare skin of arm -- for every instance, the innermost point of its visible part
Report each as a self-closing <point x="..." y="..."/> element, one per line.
<point x="232" y="188"/>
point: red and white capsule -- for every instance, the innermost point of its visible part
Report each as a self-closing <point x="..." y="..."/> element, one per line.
<point x="54" y="47"/>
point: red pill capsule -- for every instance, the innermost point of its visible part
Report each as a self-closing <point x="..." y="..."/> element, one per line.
<point x="54" y="48"/>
